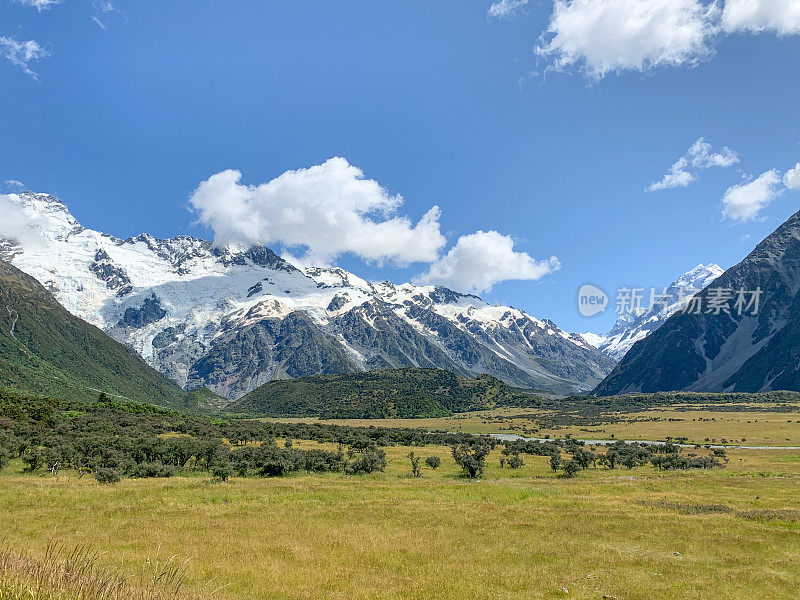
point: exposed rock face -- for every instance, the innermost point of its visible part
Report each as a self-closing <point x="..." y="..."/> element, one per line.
<point x="232" y="319"/>
<point x="725" y="350"/>
<point x="242" y="359"/>
<point x="105" y="269"/>
<point x="149" y="312"/>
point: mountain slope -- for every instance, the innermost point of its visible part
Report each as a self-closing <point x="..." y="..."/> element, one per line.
<point x="232" y="319"/>
<point x="728" y="351"/>
<point x="630" y="328"/>
<point x="46" y="350"/>
<point x="391" y="393"/>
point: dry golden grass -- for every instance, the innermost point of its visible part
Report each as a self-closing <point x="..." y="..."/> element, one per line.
<point x="513" y="534"/>
<point x="768" y="428"/>
<point x="77" y="574"/>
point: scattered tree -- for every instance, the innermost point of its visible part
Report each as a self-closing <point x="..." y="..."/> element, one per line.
<point x="106" y="475"/>
<point x="433" y="462"/>
<point x="515" y="461"/>
<point x="416" y="470"/>
<point x="471" y="459"/>
<point x="571" y="468"/>
<point x="555" y="462"/>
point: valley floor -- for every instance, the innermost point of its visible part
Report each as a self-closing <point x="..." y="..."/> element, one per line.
<point x="627" y="534"/>
<point x="767" y="424"/>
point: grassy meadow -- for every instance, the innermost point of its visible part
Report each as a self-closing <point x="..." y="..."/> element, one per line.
<point x="524" y="533"/>
<point x="767" y="424"/>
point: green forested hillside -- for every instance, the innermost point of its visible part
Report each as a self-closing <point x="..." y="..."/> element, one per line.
<point x="392" y="393"/>
<point x="46" y="350"/>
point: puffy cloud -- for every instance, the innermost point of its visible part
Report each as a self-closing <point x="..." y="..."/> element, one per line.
<point x="792" y="178"/>
<point x="506" y="9"/>
<point x="756" y="16"/>
<point x="328" y="209"/>
<point x="481" y="259"/>
<point x="700" y="156"/>
<point x="39" y="5"/>
<point x="744" y="202"/>
<point x="22" y="54"/>
<point x="605" y="36"/>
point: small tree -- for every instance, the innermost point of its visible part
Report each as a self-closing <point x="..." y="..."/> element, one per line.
<point x="571" y="468"/>
<point x="220" y="471"/>
<point x="33" y="459"/>
<point x="107" y="475"/>
<point x="368" y="461"/>
<point x="471" y="459"/>
<point x="4" y="458"/>
<point x="433" y="462"/>
<point x="515" y="461"/>
<point x="584" y="457"/>
<point x="416" y="470"/>
<point x="555" y="462"/>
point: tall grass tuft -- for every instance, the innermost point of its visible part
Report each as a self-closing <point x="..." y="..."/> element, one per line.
<point x="76" y="574"/>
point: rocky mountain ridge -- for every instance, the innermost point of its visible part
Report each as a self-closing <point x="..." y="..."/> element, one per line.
<point x="741" y="335"/>
<point x="232" y="318"/>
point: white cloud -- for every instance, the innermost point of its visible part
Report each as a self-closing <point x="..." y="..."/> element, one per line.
<point x="482" y="259"/>
<point x="103" y="11"/>
<point x="506" y="9"/>
<point x="15" y="184"/>
<point x="700" y="155"/>
<point x="16" y="225"/>
<point x="792" y="178"/>
<point x="605" y="36"/>
<point x="22" y="54"/>
<point x="677" y="176"/>
<point x="329" y="210"/>
<point x="703" y="157"/>
<point x="744" y="202"/>
<point x="756" y="16"/>
<point x="39" y="5"/>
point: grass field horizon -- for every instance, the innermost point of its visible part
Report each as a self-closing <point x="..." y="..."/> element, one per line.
<point x="629" y="533"/>
<point x="767" y="424"/>
<point x="729" y="530"/>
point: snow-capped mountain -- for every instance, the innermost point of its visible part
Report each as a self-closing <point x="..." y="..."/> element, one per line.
<point x="593" y="339"/>
<point x="743" y="337"/>
<point x="232" y="319"/>
<point x="632" y="327"/>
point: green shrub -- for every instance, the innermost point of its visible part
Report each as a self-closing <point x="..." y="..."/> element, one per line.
<point x="107" y="475"/>
<point x="571" y="468"/>
<point x="515" y="462"/>
<point x="471" y="458"/>
<point x="221" y="471"/>
<point x="433" y="462"/>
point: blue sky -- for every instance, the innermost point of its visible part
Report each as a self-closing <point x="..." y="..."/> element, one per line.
<point x="124" y="109"/>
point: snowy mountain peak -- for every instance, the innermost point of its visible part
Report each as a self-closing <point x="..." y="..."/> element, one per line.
<point x="630" y="328"/>
<point x="751" y="348"/>
<point x="232" y="318"/>
<point x="699" y="277"/>
<point x="47" y="215"/>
